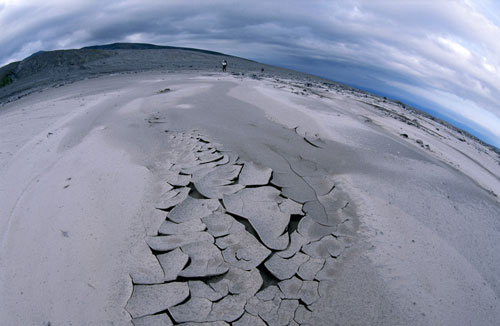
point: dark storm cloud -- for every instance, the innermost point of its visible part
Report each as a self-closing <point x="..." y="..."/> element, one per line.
<point x="442" y="53"/>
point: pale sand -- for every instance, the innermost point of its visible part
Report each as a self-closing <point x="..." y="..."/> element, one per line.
<point x="78" y="194"/>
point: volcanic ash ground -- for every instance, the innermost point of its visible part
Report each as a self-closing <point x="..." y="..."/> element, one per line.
<point x="210" y="199"/>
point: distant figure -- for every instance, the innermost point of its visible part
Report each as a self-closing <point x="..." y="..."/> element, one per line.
<point x="224" y="65"/>
<point x="262" y="70"/>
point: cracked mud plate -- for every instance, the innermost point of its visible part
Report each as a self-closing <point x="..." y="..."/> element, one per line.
<point x="227" y="247"/>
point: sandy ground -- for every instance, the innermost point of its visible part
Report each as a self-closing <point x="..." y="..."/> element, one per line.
<point x="78" y="192"/>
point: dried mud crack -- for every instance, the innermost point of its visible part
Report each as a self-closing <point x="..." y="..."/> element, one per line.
<point x="237" y="247"/>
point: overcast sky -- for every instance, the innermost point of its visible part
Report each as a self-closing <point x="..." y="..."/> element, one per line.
<point x="440" y="55"/>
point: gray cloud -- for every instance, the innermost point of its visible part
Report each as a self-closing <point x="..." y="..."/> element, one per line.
<point x="444" y="54"/>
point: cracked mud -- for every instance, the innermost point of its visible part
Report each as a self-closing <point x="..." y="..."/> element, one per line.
<point x="240" y="244"/>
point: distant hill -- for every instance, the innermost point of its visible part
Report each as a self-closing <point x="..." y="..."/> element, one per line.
<point x="145" y="46"/>
<point x="45" y="66"/>
<point x="54" y="68"/>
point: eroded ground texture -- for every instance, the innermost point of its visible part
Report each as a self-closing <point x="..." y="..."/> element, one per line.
<point x="214" y="199"/>
<point x="240" y="243"/>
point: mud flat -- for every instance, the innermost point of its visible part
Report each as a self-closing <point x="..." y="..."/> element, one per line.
<point x="157" y="199"/>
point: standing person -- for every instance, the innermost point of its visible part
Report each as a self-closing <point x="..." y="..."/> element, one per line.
<point x="262" y="70"/>
<point x="224" y="65"/>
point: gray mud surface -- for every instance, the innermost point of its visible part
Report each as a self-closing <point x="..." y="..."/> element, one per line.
<point x="196" y="197"/>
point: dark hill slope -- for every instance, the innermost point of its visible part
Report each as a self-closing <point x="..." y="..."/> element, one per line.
<point x="146" y="46"/>
<point x="52" y="68"/>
